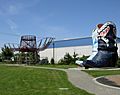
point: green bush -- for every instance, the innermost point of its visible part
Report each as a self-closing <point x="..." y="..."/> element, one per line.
<point x="44" y="61"/>
<point x="83" y="58"/>
<point x="52" y="61"/>
<point x="6" y="53"/>
<point x="61" y="62"/>
<point x="75" y="57"/>
<point x="118" y="62"/>
<point x="0" y="60"/>
<point x="68" y="59"/>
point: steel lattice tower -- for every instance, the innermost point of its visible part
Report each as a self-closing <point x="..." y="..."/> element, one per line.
<point x="28" y="46"/>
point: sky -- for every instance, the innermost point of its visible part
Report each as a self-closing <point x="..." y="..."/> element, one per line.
<point x="61" y="19"/>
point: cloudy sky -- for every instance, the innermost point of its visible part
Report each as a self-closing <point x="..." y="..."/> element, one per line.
<point x="61" y="19"/>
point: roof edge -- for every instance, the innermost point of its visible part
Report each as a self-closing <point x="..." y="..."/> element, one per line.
<point x="77" y="38"/>
<point x="73" y="39"/>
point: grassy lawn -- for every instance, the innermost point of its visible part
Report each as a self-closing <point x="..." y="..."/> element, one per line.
<point x="59" y="66"/>
<point x="50" y="65"/>
<point x="97" y="73"/>
<point x="31" y="81"/>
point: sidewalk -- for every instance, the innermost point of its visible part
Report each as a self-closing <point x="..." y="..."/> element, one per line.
<point x="84" y="81"/>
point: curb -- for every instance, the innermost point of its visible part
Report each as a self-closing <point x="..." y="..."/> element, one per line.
<point x="108" y="86"/>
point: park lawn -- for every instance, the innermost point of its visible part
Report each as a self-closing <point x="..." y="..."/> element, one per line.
<point x="50" y="65"/>
<point x="98" y="73"/>
<point x="59" y="66"/>
<point x="35" y="81"/>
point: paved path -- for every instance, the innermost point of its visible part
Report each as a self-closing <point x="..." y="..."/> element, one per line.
<point x="84" y="81"/>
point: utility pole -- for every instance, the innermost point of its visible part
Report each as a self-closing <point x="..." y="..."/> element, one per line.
<point x="53" y="50"/>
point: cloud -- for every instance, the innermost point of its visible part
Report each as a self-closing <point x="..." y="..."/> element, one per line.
<point x="13" y="7"/>
<point x="9" y="10"/>
<point x="13" y="26"/>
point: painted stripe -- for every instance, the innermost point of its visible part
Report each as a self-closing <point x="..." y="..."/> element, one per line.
<point x="74" y="42"/>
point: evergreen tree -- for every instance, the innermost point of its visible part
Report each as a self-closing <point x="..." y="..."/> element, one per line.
<point x="7" y="53"/>
<point x="75" y="57"/>
<point x="68" y="58"/>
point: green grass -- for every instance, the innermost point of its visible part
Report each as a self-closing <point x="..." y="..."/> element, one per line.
<point x="59" y="66"/>
<point x="50" y="65"/>
<point x="31" y="81"/>
<point x="97" y="73"/>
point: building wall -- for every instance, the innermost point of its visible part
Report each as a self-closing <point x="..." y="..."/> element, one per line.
<point x="81" y="46"/>
<point x="60" y="52"/>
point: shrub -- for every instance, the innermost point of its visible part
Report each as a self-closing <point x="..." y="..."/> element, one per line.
<point x="52" y="61"/>
<point x="0" y="60"/>
<point x="83" y="58"/>
<point x="44" y="61"/>
<point x="75" y="57"/>
<point x="68" y="59"/>
<point x="61" y="62"/>
<point x="7" y="53"/>
<point x="118" y="62"/>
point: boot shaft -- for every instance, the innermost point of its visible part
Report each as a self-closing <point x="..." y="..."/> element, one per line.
<point x="107" y="37"/>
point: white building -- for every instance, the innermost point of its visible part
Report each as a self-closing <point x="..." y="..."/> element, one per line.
<point x="81" y="46"/>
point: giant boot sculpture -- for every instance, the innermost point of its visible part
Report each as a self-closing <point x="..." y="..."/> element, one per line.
<point x="94" y="44"/>
<point x="107" y="48"/>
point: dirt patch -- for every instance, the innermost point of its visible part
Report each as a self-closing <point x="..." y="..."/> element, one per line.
<point x="113" y="80"/>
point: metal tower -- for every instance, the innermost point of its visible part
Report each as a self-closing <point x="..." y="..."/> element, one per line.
<point x="29" y="46"/>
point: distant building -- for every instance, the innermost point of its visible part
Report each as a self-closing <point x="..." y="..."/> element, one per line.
<point x="81" y="46"/>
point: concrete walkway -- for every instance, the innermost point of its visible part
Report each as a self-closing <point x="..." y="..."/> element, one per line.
<point x="83" y="81"/>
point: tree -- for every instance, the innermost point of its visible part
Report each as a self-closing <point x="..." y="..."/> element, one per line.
<point x="33" y="57"/>
<point x="0" y="57"/>
<point x="68" y="58"/>
<point x="21" y="57"/>
<point x="29" y="57"/>
<point x="75" y="57"/>
<point x="7" y="53"/>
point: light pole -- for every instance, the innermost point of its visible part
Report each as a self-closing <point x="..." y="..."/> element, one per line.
<point x="53" y="49"/>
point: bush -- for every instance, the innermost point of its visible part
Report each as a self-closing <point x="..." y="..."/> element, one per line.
<point x="7" y="53"/>
<point x="118" y="62"/>
<point x="0" y="60"/>
<point x="68" y="59"/>
<point x="83" y="58"/>
<point x="61" y="62"/>
<point x="52" y="61"/>
<point x="75" y="57"/>
<point x="44" y="61"/>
